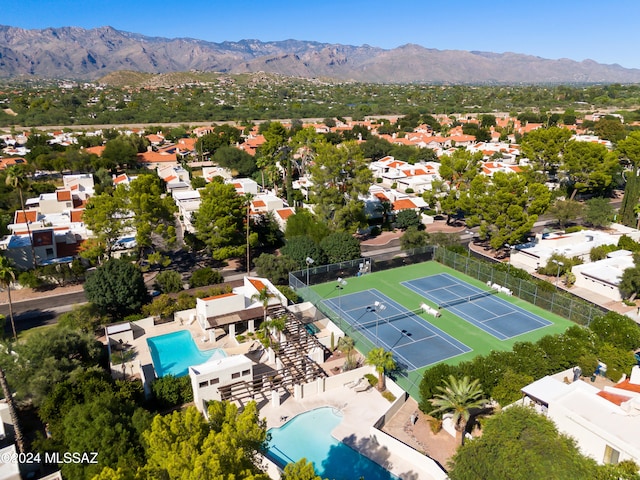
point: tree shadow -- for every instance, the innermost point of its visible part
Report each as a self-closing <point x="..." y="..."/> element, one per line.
<point x="351" y="459"/>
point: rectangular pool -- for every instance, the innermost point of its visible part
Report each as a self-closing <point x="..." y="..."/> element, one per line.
<point x="174" y="353"/>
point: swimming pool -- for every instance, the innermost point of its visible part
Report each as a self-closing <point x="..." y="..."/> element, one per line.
<point x="308" y="435"/>
<point x="175" y="352"/>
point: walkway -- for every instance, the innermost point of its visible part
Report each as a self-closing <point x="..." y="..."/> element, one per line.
<point x="360" y="411"/>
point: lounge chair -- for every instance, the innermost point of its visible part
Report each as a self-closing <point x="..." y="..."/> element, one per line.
<point x="363" y="387"/>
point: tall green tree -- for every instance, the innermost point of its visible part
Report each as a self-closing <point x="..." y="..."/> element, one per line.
<point x="413" y="238"/>
<point x="108" y="218"/>
<point x="152" y="211"/>
<point x="219" y="222"/>
<point x="520" y="444"/>
<point x="49" y="357"/>
<point x="566" y="211"/>
<point x="544" y="147"/>
<point x="300" y="470"/>
<point x="589" y="167"/>
<point x="17" y="178"/>
<point x="117" y="288"/>
<point x="275" y="268"/>
<point x="340" y="176"/>
<point x="301" y="248"/>
<point x="382" y="360"/>
<point x="598" y="212"/>
<point x="121" y="150"/>
<point x="505" y="207"/>
<point x="7" y="277"/>
<point x="458" y="397"/>
<point x="457" y="172"/>
<point x="272" y="151"/>
<point x="184" y="445"/>
<point x="340" y="247"/>
<point x="304" y="223"/>
<point x="6" y="392"/>
<point x="629" y="151"/>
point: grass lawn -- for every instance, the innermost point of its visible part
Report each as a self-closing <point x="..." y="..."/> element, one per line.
<point x="481" y="343"/>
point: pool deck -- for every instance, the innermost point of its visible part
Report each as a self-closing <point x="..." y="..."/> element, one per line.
<point x="143" y="354"/>
<point x="360" y="411"/>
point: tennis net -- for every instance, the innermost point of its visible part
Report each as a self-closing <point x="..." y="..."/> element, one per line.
<point x="389" y="319"/>
<point x="470" y="298"/>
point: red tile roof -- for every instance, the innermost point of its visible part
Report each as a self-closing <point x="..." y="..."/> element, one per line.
<point x="403" y="204"/>
<point x="627" y="385"/>
<point x="76" y="216"/>
<point x="381" y="196"/>
<point x="22" y="216"/>
<point x="63" y="195"/>
<point x="222" y="295"/>
<point x="257" y="284"/>
<point x="259" y="203"/>
<point x="155" y="157"/>
<point x="613" y="397"/>
<point x="95" y="150"/>
<point x="285" y="213"/>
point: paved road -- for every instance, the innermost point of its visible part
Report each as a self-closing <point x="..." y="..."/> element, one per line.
<point x="41" y="311"/>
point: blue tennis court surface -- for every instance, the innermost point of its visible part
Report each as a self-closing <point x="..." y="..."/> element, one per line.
<point x="488" y="312"/>
<point x="414" y="341"/>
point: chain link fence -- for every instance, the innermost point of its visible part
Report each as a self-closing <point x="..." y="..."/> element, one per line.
<point x="544" y="296"/>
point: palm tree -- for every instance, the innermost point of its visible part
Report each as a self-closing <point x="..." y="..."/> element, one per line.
<point x="248" y="197"/>
<point x="7" y="276"/>
<point x="346" y="345"/>
<point x="458" y="397"/>
<point x="383" y="361"/>
<point x="278" y="324"/>
<point x="17" y="178"/>
<point x="12" y="411"/>
<point x="263" y="296"/>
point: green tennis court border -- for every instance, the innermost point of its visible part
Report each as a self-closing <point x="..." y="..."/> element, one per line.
<point x="388" y="282"/>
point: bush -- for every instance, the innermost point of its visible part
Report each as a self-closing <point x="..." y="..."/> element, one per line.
<point x="408" y="218"/>
<point x="436" y="425"/>
<point x="171" y="391"/>
<point x="573" y="229"/>
<point x="409" y="190"/>
<point x="288" y="292"/>
<point x="205" y="276"/>
<point x="30" y="279"/>
<point x="168" y="281"/>
<point x="388" y="395"/>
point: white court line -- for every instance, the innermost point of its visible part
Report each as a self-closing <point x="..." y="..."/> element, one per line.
<point x="423" y="325"/>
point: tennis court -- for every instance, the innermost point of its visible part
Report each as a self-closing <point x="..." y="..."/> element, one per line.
<point x="414" y="341"/>
<point x="481" y="308"/>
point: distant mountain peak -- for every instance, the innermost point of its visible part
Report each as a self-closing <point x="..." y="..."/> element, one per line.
<point x="74" y="52"/>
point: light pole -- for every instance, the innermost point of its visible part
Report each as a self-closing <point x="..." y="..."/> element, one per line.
<point x="378" y="307"/>
<point x="560" y="264"/>
<point x="341" y="284"/>
<point x="511" y="249"/>
<point x="309" y="261"/>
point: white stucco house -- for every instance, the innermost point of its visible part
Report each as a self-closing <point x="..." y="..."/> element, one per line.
<point x="208" y="379"/>
<point x="604" y="423"/>
<point x="603" y="277"/>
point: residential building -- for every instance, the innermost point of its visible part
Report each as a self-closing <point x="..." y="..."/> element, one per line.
<point x="605" y="423"/>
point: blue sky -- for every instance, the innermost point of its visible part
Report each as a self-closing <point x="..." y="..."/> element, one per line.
<point x="603" y="31"/>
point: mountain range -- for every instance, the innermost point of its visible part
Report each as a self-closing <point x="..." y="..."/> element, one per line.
<point x="77" y="53"/>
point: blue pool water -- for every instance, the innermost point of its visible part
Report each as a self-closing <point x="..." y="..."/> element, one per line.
<point x="175" y="352"/>
<point x="308" y="435"/>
